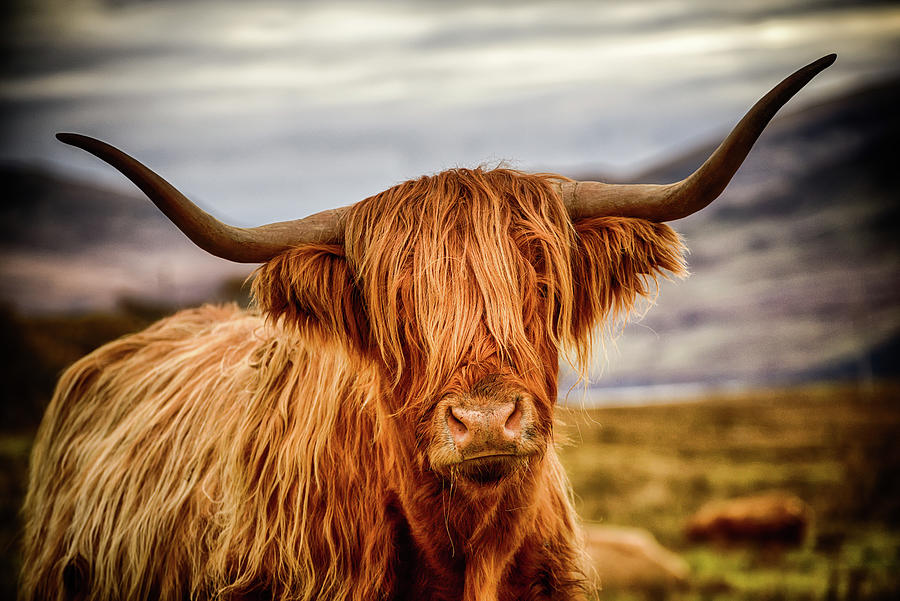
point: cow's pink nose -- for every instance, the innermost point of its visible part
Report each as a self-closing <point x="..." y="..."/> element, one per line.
<point x="485" y="429"/>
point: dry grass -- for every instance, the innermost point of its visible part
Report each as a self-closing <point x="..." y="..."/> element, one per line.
<point x="837" y="447"/>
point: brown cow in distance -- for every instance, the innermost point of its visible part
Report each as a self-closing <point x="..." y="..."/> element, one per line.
<point x="774" y="518"/>
<point x="380" y="426"/>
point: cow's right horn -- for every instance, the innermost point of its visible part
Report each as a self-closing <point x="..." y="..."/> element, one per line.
<point x="674" y="201"/>
<point x="241" y="245"/>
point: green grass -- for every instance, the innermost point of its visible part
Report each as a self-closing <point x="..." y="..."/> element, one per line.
<point x="838" y="448"/>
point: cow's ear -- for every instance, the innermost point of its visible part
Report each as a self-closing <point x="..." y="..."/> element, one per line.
<point x="616" y="261"/>
<point x="312" y="287"/>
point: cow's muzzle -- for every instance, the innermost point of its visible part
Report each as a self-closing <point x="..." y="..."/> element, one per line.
<point x="484" y="438"/>
<point x="485" y="429"/>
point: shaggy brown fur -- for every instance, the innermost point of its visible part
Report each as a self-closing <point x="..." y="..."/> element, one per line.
<point x="285" y="453"/>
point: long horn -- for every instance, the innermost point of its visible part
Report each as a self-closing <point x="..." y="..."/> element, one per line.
<point x="674" y="201"/>
<point x="241" y="245"/>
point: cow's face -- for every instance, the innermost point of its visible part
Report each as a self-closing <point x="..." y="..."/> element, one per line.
<point x="463" y="287"/>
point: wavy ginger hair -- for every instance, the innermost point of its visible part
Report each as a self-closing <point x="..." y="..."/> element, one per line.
<point x="284" y="452"/>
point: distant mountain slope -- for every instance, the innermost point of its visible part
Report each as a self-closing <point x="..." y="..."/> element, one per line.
<point x="796" y="268"/>
<point x="66" y="245"/>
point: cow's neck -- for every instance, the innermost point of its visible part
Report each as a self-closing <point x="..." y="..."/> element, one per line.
<point x="468" y="537"/>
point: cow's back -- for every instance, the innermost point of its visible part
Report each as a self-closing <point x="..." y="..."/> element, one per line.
<point x="126" y="471"/>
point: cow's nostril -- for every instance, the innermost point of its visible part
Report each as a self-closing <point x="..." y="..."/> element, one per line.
<point x="513" y="423"/>
<point x="458" y="429"/>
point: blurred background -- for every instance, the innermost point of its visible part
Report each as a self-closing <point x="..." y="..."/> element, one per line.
<point x="771" y="373"/>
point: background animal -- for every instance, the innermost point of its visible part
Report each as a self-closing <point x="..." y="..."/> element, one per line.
<point x="631" y="559"/>
<point x="772" y="518"/>
<point x="382" y="425"/>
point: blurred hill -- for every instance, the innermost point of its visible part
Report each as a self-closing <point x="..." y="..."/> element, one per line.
<point x="68" y="246"/>
<point x="795" y="269"/>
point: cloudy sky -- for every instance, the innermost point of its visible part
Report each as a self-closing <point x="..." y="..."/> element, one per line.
<point x="268" y="111"/>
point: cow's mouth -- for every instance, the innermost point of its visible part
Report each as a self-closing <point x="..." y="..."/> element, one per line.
<point x="488" y="469"/>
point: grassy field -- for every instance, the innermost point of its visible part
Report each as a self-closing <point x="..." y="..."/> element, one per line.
<point x="838" y="448"/>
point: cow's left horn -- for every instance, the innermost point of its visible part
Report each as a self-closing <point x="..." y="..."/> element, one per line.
<point x="241" y="245"/>
<point x="674" y="201"/>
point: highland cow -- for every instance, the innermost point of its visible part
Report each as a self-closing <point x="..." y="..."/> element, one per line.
<point x="380" y="426"/>
<point x="773" y="518"/>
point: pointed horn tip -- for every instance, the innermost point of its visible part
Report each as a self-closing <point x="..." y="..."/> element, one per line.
<point x="77" y="140"/>
<point x="823" y="63"/>
<point x="65" y="137"/>
<point x="96" y="147"/>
